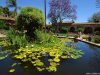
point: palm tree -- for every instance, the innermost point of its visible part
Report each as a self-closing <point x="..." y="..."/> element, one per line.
<point x="12" y="3"/>
<point x="45" y="13"/>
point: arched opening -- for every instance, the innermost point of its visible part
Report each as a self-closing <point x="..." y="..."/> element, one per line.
<point x="72" y="29"/>
<point x="97" y="29"/>
<point x="88" y="30"/>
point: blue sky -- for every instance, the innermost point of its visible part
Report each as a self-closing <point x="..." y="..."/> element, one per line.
<point x="85" y="8"/>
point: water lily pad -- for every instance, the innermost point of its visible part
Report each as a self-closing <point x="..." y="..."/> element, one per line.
<point x="56" y="59"/>
<point x="64" y="57"/>
<point x="14" y="64"/>
<point x="12" y="70"/>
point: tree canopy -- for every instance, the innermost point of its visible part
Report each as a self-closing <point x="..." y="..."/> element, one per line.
<point x="60" y="10"/>
<point x="95" y="18"/>
<point x="30" y="19"/>
<point x="12" y="3"/>
<point x="4" y="11"/>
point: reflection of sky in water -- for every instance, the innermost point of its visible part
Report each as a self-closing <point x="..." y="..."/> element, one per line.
<point x="0" y="48"/>
<point x="89" y="63"/>
<point x="72" y="44"/>
<point x="92" y="55"/>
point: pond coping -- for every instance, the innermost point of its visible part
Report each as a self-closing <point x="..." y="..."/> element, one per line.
<point x="2" y="36"/>
<point x="61" y="36"/>
<point x="88" y="42"/>
<point x="71" y="37"/>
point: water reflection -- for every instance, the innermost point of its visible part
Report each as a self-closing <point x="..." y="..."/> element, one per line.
<point x="89" y="63"/>
<point x="91" y="57"/>
<point x="94" y="61"/>
<point x="75" y="40"/>
<point x="0" y="48"/>
<point x="73" y="43"/>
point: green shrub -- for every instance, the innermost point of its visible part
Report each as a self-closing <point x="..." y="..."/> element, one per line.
<point x="75" y="36"/>
<point x="80" y="29"/>
<point x="3" y="25"/>
<point x="97" y="32"/>
<point x="30" y="19"/>
<point x="16" y="39"/>
<point x="85" y="37"/>
<point x="64" y="30"/>
<point x="52" y="28"/>
<point x="96" y="39"/>
<point x="42" y="37"/>
<point x="12" y="14"/>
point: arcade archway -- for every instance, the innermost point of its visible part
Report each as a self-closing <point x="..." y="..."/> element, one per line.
<point x="88" y="30"/>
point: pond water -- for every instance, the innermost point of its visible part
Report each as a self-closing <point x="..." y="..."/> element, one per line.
<point x="89" y="63"/>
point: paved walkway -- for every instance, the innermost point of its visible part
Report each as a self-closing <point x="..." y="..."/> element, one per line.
<point x="2" y="35"/>
<point x="96" y="44"/>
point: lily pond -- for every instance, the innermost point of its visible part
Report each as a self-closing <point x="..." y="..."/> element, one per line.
<point x="89" y="63"/>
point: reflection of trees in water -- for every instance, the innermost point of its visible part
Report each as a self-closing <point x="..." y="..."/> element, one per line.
<point x="94" y="55"/>
<point x="73" y="44"/>
<point x="75" y="40"/>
